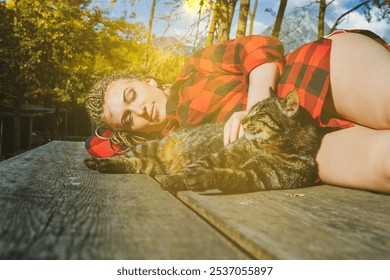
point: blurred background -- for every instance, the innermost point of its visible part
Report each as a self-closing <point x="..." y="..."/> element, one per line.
<point x="51" y="51"/>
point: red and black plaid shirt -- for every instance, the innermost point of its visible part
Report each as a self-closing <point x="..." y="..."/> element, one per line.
<point x="214" y="83"/>
<point x="307" y="70"/>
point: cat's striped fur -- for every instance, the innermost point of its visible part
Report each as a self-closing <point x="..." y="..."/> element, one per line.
<point x="277" y="152"/>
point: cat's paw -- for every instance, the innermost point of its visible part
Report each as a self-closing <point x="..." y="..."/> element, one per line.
<point x="109" y="165"/>
<point x="104" y="165"/>
<point x="114" y="165"/>
<point x="198" y="179"/>
<point x="121" y="165"/>
<point x="91" y="163"/>
<point x="174" y="182"/>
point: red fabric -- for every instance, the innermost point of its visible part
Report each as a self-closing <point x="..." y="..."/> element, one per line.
<point x="214" y="82"/>
<point x="100" y="147"/>
<point x="307" y="70"/>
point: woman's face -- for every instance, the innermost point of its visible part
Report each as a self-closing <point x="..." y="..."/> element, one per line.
<point x="135" y="106"/>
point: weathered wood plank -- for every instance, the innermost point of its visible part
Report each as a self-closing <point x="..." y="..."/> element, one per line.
<point x="322" y="222"/>
<point x="52" y="207"/>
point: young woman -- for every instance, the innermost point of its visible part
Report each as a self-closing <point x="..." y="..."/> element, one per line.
<point x="342" y="81"/>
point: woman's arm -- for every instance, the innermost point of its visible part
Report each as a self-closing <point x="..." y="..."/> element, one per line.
<point x="261" y="79"/>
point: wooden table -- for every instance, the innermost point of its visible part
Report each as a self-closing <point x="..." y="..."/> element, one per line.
<point x="53" y="207"/>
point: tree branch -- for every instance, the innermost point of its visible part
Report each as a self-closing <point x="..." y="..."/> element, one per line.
<point x="330" y="3"/>
<point x="340" y="18"/>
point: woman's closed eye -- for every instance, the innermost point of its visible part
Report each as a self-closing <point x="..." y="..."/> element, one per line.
<point x="129" y="95"/>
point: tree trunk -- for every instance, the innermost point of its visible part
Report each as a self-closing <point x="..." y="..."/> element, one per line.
<point x="243" y="18"/>
<point x="225" y="19"/>
<point x="213" y="25"/>
<point x="279" y="18"/>
<point x="321" y="18"/>
<point x="151" y="17"/>
<point x="252" y="17"/>
<point x="197" y="27"/>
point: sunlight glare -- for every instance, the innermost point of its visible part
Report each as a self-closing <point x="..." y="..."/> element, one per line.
<point x="192" y="6"/>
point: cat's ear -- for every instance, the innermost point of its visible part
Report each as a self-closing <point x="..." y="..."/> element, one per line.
<point x="290" y="104"/>
<point x="272" y="91"/>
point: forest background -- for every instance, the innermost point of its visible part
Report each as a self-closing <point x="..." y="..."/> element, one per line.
<point x="51" y="51"/>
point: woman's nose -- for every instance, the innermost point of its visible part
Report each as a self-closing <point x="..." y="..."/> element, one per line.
<point x="138" y="110"/>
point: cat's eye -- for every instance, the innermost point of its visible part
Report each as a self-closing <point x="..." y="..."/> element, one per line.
<point x="265" y="119"/>
<point x="272" y="125"/>
<point x="259" y="117"/>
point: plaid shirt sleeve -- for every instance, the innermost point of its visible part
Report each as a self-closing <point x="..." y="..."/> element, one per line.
<point x="214" y="82"/>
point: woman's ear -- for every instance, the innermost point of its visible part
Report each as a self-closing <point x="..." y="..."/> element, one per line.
<point x="152" y="82"/>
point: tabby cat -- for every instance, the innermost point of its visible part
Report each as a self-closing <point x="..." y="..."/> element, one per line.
<point x="277" y="152"/>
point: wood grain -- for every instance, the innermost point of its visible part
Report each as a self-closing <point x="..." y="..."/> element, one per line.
<point x="321" y="222"/>
<point x="53" y="207"/>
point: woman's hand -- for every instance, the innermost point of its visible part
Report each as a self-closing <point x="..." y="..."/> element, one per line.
<point x="233" y="129"/>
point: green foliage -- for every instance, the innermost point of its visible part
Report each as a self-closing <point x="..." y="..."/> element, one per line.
<point x="42" y="47"/>
<point x="123" y="48"/>
<point x="51" y="51"/>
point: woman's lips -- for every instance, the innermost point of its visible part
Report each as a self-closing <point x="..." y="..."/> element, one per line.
<point x="152" y="112"/>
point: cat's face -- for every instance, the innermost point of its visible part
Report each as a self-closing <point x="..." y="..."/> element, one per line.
<point x="268" y="117"/>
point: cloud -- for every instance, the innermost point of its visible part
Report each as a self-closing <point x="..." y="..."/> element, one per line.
<point x="297" y="3"/>
<point x="259" y="27"/>
<point x="355" y="20"/>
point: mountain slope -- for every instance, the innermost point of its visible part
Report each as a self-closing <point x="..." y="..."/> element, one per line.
<point x="298" y="27"/>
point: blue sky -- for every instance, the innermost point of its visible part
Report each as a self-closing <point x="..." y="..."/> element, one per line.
<point x="183" y="25"/>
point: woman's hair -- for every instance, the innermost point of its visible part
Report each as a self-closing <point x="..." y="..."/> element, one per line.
<point x="94" y="101"/>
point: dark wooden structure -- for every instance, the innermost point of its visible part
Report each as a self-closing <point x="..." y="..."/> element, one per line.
<point x="38" y="125"/>
<point x="52" y="207"/>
